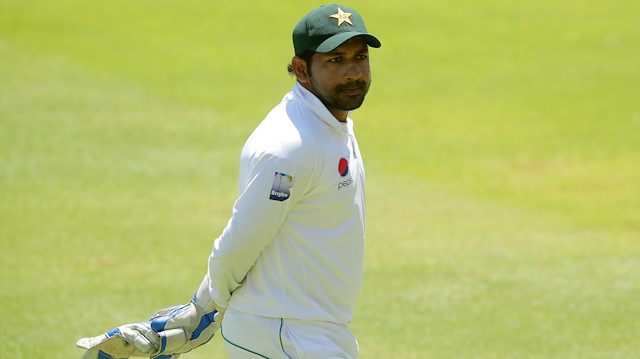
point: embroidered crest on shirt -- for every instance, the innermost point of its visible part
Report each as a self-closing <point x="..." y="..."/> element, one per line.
<point x="282" y="183"/>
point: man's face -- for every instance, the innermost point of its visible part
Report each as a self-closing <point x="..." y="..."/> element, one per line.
<point x="341" y="78"/>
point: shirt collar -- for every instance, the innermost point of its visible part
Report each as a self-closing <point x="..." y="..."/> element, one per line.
<point x="310" y="101"/>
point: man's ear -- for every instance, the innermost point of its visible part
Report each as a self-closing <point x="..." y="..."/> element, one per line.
<point x="299" y="67"/>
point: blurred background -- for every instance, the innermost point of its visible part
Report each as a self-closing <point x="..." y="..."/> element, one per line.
<point x="501" y="139"/>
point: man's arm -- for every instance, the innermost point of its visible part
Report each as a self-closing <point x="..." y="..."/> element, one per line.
<point x="270" y="187"/>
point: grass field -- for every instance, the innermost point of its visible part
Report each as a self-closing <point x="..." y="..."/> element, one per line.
<point x="502" y="143"/>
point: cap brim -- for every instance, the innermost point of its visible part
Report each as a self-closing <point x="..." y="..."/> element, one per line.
<point x="334" y="41"/>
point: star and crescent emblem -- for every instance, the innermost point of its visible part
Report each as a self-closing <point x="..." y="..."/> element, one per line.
<point x="342" y="17"/>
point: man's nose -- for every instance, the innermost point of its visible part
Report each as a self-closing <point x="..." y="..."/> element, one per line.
<point x="353" y="71"/>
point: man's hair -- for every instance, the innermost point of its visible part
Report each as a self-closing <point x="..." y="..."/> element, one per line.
<point x="306" y="57"/>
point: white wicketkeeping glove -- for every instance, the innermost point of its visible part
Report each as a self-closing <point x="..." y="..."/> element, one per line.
<point x="129" y="340"/>
<point x="169" y="333"/>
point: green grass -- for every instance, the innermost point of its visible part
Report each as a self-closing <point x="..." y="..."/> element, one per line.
<point x="501" y="141"/>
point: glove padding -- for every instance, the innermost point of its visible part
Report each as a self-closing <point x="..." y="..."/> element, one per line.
<point x="169" y="333"/>
<point x="129" y="340"/>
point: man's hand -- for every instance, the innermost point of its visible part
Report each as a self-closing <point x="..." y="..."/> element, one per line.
<point x="169" y="333"/>
<point x="129" y="340"/>
<point x="186" y="327"/>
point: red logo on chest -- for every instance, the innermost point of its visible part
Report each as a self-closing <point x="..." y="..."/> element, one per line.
<point x="343" y="167"/>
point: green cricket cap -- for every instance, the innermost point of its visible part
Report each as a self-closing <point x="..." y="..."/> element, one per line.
<point x="327" y="27"/>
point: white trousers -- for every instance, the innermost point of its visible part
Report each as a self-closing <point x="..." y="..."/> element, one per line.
<point x="247" y="336"/>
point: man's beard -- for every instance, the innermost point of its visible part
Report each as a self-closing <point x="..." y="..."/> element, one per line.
<point x="340" y="100"/>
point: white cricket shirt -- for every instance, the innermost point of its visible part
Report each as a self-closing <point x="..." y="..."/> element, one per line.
<point x="294" y="246"/>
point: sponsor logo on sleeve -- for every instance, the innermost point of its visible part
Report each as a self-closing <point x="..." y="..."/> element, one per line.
<point x="281" y="189"/>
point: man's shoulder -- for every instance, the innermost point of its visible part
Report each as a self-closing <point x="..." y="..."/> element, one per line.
<point x="277" y="135"/>
<point x="289" y="120"/>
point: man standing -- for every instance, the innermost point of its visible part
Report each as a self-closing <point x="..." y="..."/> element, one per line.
<point x="286" y="271"/>
<point x="288" y="266"/>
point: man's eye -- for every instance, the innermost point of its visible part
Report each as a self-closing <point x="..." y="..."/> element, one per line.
<point x="361" y="57"/>
<point x="336" y="59"/>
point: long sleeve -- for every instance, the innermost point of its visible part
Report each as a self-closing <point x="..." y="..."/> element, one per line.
<point x="266" y="195"/>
